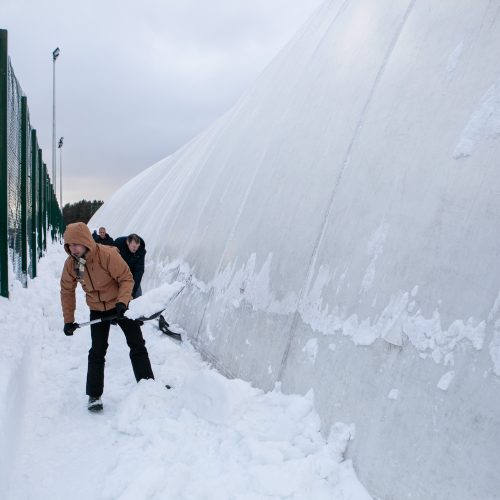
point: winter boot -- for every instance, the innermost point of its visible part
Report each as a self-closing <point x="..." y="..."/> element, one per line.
<point x="94" y="404"/>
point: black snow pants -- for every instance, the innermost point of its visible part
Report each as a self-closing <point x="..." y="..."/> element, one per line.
<point x="97" y="353"/>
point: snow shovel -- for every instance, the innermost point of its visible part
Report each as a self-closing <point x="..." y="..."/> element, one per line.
<point x="164" y="327"/>
<point x="115" y="317"/>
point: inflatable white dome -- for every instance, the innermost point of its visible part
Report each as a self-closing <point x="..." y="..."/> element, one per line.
<point x="339" y="230"/>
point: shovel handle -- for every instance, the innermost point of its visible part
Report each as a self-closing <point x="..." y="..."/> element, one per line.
<point x="115" y="317"/>
<point x="98" y="320"/>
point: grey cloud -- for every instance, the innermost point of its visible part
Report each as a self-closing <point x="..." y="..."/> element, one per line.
<point x="137" y="80"/>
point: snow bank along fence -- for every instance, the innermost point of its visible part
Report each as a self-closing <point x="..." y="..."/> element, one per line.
<point x="29" y="211"/>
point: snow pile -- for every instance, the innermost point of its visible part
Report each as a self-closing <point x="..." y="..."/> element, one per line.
<point x="217" y="438"/>
<point x="206" y="438"/>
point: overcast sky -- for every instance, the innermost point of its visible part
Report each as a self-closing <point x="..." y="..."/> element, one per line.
<point x="137" y="79"/>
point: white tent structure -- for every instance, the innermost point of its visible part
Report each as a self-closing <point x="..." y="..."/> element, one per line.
<point x="338" y="230"/>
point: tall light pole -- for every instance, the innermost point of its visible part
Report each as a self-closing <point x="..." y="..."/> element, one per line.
<point x="60" y="145"/>
<point x="55" y="55"/>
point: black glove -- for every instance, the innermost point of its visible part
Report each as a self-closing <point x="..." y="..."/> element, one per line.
<point x="69" y="328"/>
<point x="120" y="310"/>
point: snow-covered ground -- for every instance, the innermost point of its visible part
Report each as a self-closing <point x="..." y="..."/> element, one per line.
<point x="206" y="438"/>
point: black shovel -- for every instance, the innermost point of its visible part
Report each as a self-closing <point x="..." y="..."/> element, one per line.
<point x="162" y="323"/>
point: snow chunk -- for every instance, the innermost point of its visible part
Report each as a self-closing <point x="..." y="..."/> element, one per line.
<point x="375" y="249"/>
<point x="211" y="396"/>
<point x="393" y="394"/>
<point x="311" y="349"/>
<point x="483" y="124"/>
<point x="445" y="380"/>
<point x="454" y="59"/>
<point x="338" y="439"/>
<point x="494" y="348"/>
<point x="154" y="300"/>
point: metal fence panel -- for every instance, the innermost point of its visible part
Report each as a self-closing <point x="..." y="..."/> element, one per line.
<point x="29" y="212"/>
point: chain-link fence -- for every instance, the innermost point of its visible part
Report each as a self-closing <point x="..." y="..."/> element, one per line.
<point x="29" y="211"/>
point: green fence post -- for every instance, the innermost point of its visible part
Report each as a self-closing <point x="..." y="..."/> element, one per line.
<point x="52" y="213"/>
<point x="43" y="188"/>
<point x="49" y="208"/>
<point x="44" y="211"/>
<point x="40" y="203"/>
<point x="4" y="248"/>
<point x="24" y="175"/>
<point x="34" y="223"/>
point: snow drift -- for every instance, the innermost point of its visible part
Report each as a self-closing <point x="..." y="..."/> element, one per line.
<point x="337" y="230"/>
<point x="146" y="443"/>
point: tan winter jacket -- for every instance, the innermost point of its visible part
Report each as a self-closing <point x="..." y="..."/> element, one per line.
<point x="106" y="277"/>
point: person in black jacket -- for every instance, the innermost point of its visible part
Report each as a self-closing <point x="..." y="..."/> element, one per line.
<point x="133" y="251"/>
<point x="103" y="237"/>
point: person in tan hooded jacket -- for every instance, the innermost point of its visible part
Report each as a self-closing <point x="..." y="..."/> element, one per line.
<point x="107" y="281"/>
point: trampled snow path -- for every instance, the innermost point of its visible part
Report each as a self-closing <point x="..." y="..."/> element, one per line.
<point x="207" y="438"/>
